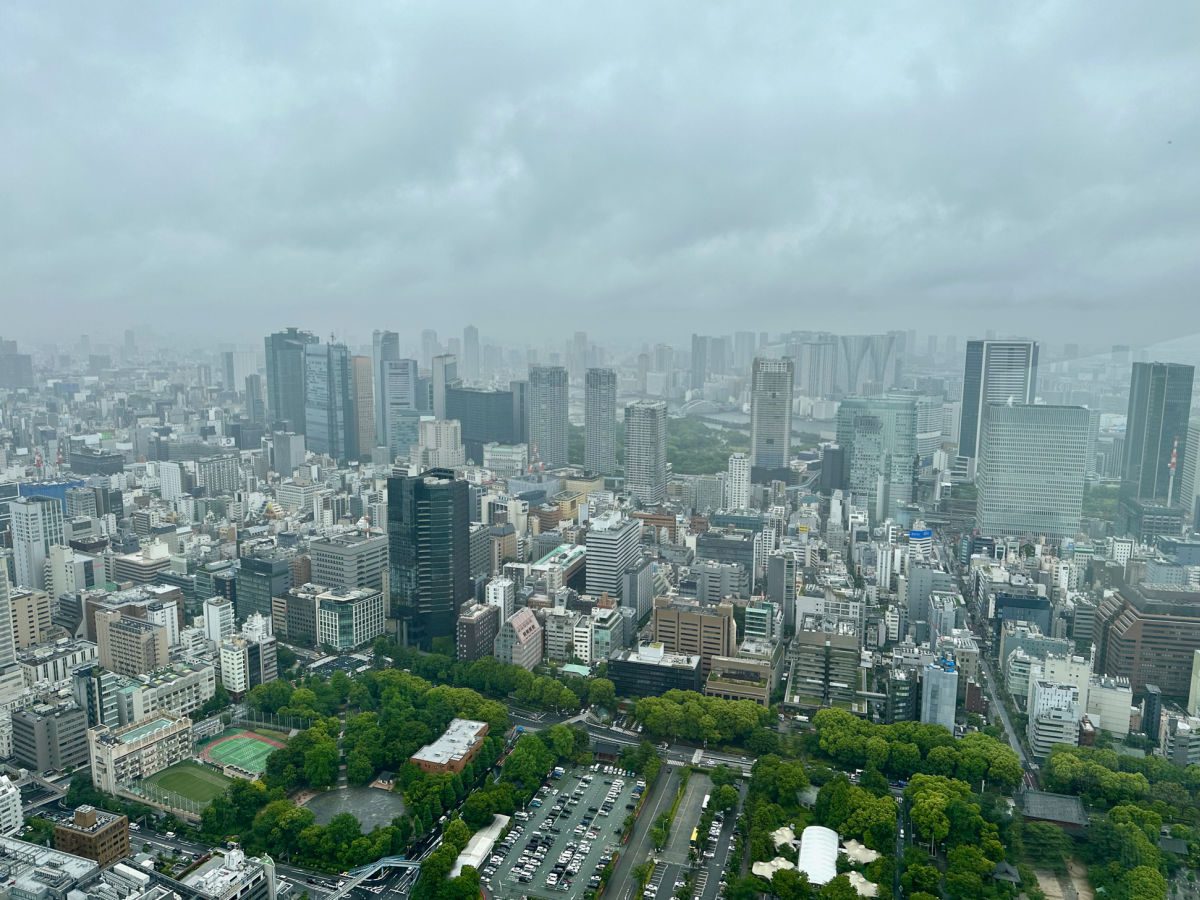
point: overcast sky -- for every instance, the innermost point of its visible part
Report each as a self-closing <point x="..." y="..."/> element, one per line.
<point x="635" y="169"/>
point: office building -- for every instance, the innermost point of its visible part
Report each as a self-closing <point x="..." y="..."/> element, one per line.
<point x="824" y="665"/>
<point x="1032" y="465"/>
<point x="505" y="460"/>
<point x="49" y="667"/>
<point x="453" y="751"/>
<point x="218" y="619"/>
<point x="737" y="482"/>
<point x="646" y="452"/>
<point x="349" y="560"/>
<point x="613" y="544"/>
<point x="600" y="421"/>
<point x="548" y="423"/>
<point x="782" y="567"/>
<point x="397" y="406"/>
<point x="31" y="613"/>
<point x="247" y="660"/>
<point x="294" y="615"/>
<point x="650" y="671"/>
<point x="385" y="347"/>
<point x="256" y="404"/>
<point x="867" y="363"/>
<point x="1156" y="431"/>
<point x="49" y="738"/>
<point x="519" y="641"/>
<point x="470" y="345"/>
<point x="329" y="406"/>
<point x="362" y="398"/>
<point x="444" y="375"/>
<point x="939" y="694"/>
<point x="129" y="646"/>
<point x="692" y="628"/>
<point x="123" y="755"/>
<point x="501" y="592"/>
<point x="439" y="445"/>
<point x="1148" y="634"/>
<point x="263" y="573"/>
<point x="34" y="871"/>
<point x="94" y="834"/>
<point x="347" y="619"/>
<point x="287" y="452"/>
<point x="429" y="553"/>
<point x="996" y="372"/>
<point x="879" y="436"/>
<point x="1054" y="713"/>
<point x="286" y="377"/>
<point x="488" y="416"/>
<point x="37" y="525"/>
<point x="771" y="385"/>
<point x="219" y="475"/>
<point x="478" y="625"/>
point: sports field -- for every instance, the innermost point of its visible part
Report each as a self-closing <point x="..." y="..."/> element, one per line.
<point x="191" y="780"/>
<point x="239" y="747"/>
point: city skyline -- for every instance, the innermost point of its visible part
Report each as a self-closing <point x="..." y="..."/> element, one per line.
<point x="350" y="167"/>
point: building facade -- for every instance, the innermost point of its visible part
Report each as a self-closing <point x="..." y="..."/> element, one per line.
<point x="646" y="451"/>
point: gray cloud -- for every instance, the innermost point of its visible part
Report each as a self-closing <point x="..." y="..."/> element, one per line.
<point x="221" y="169"/>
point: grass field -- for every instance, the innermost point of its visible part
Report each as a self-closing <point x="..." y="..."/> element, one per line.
<point x="245" y="749"/>
<point x="191" y="780"/>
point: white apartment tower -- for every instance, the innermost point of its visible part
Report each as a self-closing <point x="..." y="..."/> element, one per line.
<point x="737" y="482"/>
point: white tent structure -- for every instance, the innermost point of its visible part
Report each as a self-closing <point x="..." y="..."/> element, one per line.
<point x="818" y="854"/>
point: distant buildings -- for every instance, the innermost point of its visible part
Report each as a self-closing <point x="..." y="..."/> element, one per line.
<point x="548" y="423"/>
<point x="1156" y="432"/>
<point x="771" y="385"/>
<point x="286" y="377"/>
<point x="879" y="436"/>
<point x="995" y="372"/>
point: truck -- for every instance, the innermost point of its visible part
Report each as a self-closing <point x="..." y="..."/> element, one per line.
<point x="559" y="771"/>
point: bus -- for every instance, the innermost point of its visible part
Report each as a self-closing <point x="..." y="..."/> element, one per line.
<point x="704" y="805"/>
<point x="695" y="839"/>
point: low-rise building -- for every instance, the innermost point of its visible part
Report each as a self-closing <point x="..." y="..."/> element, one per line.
<point x="350" y="618"/>
<point x="458" y="745"/>
<point x="649" y="670"/>
<point x="50" y="738"/>
<point x="136" y="751"/>
<point x="11" y="817"/>
<point x="233" y="876"/>
<point x="519" y="640"/>
<point x="94" y="834"/>
<point x="49" y="667"/>
<point x="39" y="873"/>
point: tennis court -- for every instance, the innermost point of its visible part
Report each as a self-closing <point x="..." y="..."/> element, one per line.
<point x="190" y="780"/>
<point x="245" y="749"/>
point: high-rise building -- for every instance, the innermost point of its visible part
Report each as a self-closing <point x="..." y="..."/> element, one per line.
<point x="996" y="372"/>
<point x="329" y="408"/>
<point x="349" y="619"/>
<point x="1189" y="488"/>
<point x="879" y="436"/>
<point x="488" y="416"/>
<point x="130" y="646"/>
<point x="362" y="396"/>
<point x="771" y="385"/>
<point x="398" y="408"/>
<point x="439" y="445"/>
<point x="478" y="625"/>
<point x="471" y="353"/>
<point x="444" y="375"/>
<point x="646" y="451"/>
<point x="262" y="574"/>
<point x="1032" y="466"/>
<point x="613" y="544"/>
<point x="695" y="629"/>
<point x="939" y="693"/>
<point x="737" y="482"/>
<point x="256" y="406"/>
<point x="285" y="377"/>
<point x="700" y="364"/>
<point x="37" y="525"/>
<point x="430" y="347"/>
<point x="429" y="553"/>
<point x="548" y="422"/>
<point x="1156" y="432"/>
<point x="600" y="421"/>
<point x="219" y="475"/>
<point x="385" y="346"/>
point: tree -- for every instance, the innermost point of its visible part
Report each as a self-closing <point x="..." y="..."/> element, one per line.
<point x="1145" y="883"/>
<point x="724" y="798"/>
<point x="602" y="692"/>
<point x="789" y="884"/>
<point x="920" y="877"/>
<point x="457" y="834"/>
<point x="838" y="889"/>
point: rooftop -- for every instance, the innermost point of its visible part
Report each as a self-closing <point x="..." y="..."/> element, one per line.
<point x="220" y="873"/>
<point x="455" y="743"/>
<point x="1053" y="807"/>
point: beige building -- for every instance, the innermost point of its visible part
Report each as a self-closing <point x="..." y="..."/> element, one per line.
<point x="692" y="628"/>
<point x="30" y="616"/>
<point x="130" y="646"/>
<point x="136" y="751"/>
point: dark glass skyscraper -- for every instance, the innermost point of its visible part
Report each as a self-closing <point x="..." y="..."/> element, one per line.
<point x="329" y="409"/>
<point x="600" y="421"/>
<point x="285" y="376"/>
<point x="428" y="525"/>
<point x="1160" y="399"/>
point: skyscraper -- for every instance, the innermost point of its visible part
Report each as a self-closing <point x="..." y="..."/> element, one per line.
<point x="1160" y="400"/>
<point x="285" y="376"/>
<point x="548" y="424"/>
<point x="879" y="437"/>
<point x="1032" y="465"/>
<point x="362" y="392"/>
<point x="37" y="525"/>
<point x="445" y="374"/>
<point x="771" y="385"/>
<point x="699" y="361"/>
<point x="737" y="482"/>
<point x="996" y="372"/>
<point x="428" y="554"/>
<point x="385" y="345"/>
<point x="471" y="353"/>
<point x="600" y="421"/>
<point x="430" y="347"/>
<point x="400" y="414"/>
<point x="256" y="409"/>
<point x="646" y="451"/>
<point x="328" y="404"/>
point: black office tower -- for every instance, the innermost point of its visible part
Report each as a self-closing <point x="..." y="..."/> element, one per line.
<point x="429" y="555"/>
<point x="285" y="377"/>
<point x="1160" y="399"/>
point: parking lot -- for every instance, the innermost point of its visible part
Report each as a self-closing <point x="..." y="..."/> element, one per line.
<point x="573" y="830"/>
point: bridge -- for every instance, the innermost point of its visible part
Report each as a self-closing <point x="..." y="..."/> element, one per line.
<point x="365" y="873"/>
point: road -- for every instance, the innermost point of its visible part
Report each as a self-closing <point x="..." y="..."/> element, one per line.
<point x="995" y="704"/>
<point x="639" y="847"/>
